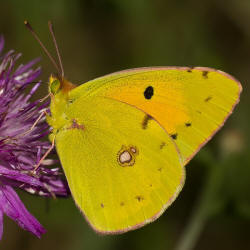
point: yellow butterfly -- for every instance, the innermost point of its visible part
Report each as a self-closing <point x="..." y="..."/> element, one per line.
<point x="124" y="139"/>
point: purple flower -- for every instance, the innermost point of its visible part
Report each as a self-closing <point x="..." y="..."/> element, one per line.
<point x="20" y="147"/>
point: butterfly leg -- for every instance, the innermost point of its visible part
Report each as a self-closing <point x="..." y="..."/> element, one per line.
<point x="46" y="154"/>
<point x="45" y="98"/>
<point x="29" y="130"/>
<point x="34" y="124"/>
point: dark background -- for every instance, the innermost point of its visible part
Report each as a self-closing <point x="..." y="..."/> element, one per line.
<point x="102" y="36"/>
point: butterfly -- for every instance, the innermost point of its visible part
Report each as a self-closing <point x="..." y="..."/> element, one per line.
<point x="124" y="139"/>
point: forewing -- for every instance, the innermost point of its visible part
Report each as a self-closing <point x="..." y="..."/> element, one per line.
<point x="191" y="104"/>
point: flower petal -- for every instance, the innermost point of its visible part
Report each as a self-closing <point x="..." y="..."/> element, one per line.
<point x="18" y="176"/>
<point x="23" y="68"/>
<point x="48" y="185"/>
<point x="20" y="147"/>
<point x="13" y="207"/>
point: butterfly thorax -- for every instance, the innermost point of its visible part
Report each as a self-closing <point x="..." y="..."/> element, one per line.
<point x="58" y="89"/>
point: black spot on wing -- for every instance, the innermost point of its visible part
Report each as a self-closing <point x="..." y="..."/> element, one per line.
<point x="139" y="198"/>
<point x="163" y="144"/>
<point x="145" y="121"/>
<point x="149" y="92"/>
<point x="204" y="74"/>
<point x="190" y="69"/>
<point x="208" y="99"/>
<point x="174" y="136"/>
<point x="102" y="205"/>
<point x="188" y="124"/>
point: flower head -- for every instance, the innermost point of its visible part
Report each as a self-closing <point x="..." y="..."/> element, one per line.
<point x="20" y="146"/>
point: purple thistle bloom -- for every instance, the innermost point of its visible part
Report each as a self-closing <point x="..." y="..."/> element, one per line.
<point x="20" y="147"/>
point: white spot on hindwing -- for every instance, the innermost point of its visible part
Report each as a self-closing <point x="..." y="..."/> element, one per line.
<point x="133" y="150"/>
<point x="126" y="155"/>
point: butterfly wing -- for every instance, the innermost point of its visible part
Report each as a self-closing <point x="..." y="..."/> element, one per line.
<point x="122" y="168"/>
<point x="191" y="104"/>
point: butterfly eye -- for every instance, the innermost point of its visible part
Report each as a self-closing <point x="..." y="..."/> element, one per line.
<point x="55" y="86"/>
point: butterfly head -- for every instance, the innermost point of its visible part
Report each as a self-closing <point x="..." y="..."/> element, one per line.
<point x="59" y="85"/>
<point x="54" y="85"/>
<point x="59" y="88"/>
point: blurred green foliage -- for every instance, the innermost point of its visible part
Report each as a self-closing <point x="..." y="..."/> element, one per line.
<point x="97" y="37"/>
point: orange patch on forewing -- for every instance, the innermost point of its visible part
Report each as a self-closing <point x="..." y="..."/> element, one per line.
<point x="166" y="106"/>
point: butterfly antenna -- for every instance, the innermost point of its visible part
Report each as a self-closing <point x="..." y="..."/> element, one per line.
<point x="27" y="24"/>
<point x="51" y="29"/>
